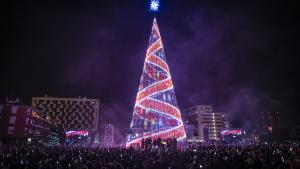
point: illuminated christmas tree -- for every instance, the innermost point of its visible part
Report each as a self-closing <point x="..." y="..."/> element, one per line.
<point x="156" y="113"/>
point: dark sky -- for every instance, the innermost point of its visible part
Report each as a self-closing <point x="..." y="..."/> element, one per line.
<point x="242" y="57"/>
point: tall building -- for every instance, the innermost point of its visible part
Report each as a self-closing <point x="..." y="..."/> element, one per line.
<point x="109" y="133"/>
<point x="156" y="113"/>
<point x="207" y="125"/>
<point x="70" y="113"/>
<point x="19" y="123"/>
<point x="220" y="123"/>
<point x="227" y="121"/>
<point x="270" y="121"/>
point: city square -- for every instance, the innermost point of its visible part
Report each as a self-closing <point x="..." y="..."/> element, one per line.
<point x="150" y="84"/>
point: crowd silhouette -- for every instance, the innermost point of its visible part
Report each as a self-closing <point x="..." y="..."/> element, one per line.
<point x="260" y="156"/>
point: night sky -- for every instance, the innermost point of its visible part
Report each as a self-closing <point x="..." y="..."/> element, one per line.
<point x="242" y="57"/>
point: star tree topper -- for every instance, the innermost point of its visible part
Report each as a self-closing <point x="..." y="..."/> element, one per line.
<point x="154" y="4"/>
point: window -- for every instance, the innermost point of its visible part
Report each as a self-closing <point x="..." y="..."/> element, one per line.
<point x="27" y="120"/>
<point x="11" y="130"/>
<point x="12" y="120"/>
<point x="14" y="109"/>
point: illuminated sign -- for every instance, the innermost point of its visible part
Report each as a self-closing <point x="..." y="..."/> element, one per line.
<point x="77" y="133"/>
<point x="233" y="132"/>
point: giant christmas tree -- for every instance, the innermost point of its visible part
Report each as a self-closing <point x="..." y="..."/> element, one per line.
<point x="156" y="113"/>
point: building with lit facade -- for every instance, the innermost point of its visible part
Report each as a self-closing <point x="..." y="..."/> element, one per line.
<point x="19" y="123"/>
<point x="218" y="123"/>
<point x="109" y="133"/>
<point x="269" y="121"/>
<point x="203" y="124"/>
<point x="70" y="113"/>
<point x="227" y="121"/>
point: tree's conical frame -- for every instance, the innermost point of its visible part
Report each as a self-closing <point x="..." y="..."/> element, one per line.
<point x="156" y="113"/>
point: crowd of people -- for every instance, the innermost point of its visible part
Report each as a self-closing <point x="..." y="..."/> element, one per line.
<point x="260" y="156"/>
<point x="170" y="143"/>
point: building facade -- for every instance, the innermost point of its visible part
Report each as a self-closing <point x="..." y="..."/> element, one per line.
<point x="109" y="133"/>
<point x="206" y="124"/>
<point x="19" y="123"/>
<point x="270" y="121"/>
<point x="70" y="113"/>
<point x="219" y="123"/>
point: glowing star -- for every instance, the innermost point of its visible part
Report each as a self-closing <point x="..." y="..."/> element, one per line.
<point x="154" y="5"/>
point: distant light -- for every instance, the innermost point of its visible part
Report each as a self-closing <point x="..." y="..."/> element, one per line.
<point x="154" y="5"/>
<point x="29" y="139"/>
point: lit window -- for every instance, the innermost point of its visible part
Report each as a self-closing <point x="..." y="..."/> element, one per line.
<point x="14" y="109"/>
<point x="12" y="120"/>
